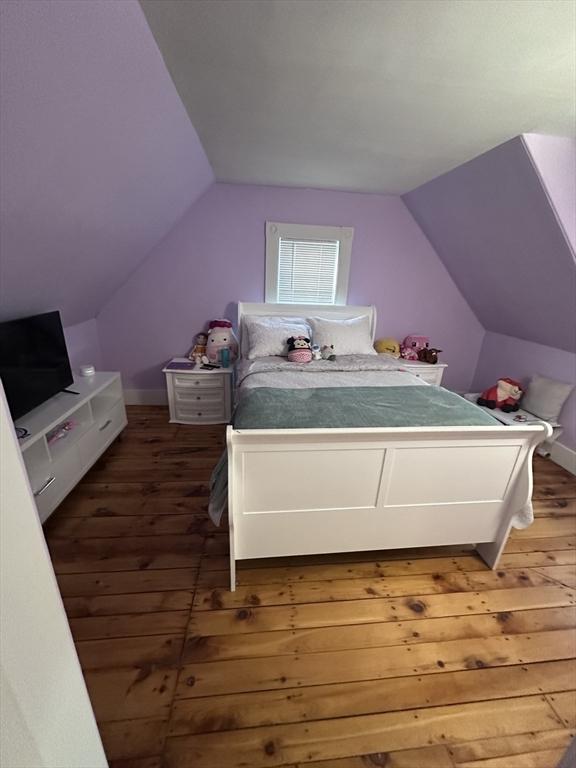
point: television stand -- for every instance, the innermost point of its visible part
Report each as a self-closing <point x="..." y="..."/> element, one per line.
<point x="70" y="392"/>
<point x="65" y="437"/>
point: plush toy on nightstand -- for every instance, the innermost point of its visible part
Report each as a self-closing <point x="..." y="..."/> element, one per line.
<point x="198" y="351"/>
<point x="220" y="337"/>
<point x="428" y="355"/>
<point x="387" y="347"/>
<point x="412" y="345"/>
<point x="504" y="395"/>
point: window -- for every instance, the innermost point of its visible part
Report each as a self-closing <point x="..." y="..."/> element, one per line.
<point x="307" y="264"/>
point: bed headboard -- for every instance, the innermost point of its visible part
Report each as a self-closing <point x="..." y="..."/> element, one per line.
<point x="305" y="310"/>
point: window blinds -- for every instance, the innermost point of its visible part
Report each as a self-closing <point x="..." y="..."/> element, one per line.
<point x="307" y="271"/>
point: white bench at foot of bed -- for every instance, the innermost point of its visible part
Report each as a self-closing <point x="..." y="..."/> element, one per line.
<point x="315" y="491"/>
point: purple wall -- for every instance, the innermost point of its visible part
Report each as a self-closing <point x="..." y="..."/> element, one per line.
<point x="491" y="223"/>
<point x="98" y="155"/>
<point x="83" y="343"/>
<point x="215" y="257"/>
<point x="555" y="160"/>
<point x="506" y="356"/>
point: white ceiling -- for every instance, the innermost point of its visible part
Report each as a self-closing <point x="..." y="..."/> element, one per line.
<point x="371" y="95"/>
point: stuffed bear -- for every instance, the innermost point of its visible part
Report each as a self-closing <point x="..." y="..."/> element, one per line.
<point x="504" y="395"/>
<point x="328" y="352"/>
<point x="299" y="349"/>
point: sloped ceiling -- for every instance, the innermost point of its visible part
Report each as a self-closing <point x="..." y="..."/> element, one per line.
<point x="365" y="95"/>
<point x="555" y="161"/>
<point x="492" y="224"/>
<point x="98" y="156"/>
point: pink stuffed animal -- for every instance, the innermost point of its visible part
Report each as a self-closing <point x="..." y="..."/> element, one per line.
<point x="412" y="345"/>
<point x="221" y="336"/>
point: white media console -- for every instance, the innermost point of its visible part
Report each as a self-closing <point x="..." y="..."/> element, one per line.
<point x="96" y="415"/>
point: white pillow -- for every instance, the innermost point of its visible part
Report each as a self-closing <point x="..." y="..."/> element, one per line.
<point x="545" y="397"/>
<point x="350" y="337"/>
<point x="267" y="334"/>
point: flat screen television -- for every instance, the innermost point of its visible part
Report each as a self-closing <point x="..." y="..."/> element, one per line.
<point x="34" y="362"/>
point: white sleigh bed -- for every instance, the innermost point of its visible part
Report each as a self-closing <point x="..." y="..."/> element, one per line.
<point x="374" y="488"/>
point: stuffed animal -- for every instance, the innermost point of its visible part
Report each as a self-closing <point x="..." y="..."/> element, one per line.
<point x="412" y="345"/>
<point x="198" y="351"/>
<point x="328" y="352"/>
<point x="299" y="349"/>
<point x="504" y="395"/>
<point x="221" y="336"/>
<point x="316" y="353"/>
<point x="387" y="347"/>
<point x="428" y="355"/>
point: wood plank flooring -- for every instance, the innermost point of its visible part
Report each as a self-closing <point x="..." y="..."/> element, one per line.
<point x="404" y="659"/>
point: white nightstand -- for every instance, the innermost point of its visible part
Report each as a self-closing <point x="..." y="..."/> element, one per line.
<point x="198" y="396"/>
<point x="432" y="374"/>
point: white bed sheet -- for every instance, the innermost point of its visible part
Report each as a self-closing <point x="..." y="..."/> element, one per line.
<point x="346" y="371"/>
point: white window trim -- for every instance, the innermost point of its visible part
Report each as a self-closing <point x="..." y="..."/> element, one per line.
<point x="276" y="230"/>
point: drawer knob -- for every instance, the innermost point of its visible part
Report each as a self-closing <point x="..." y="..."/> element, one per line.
<point x="196" y="383"/>
<point x="199" y="413"/>
<point x="197" y="397"/>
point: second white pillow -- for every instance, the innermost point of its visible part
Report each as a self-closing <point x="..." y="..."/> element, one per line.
<point x="349" y="337"/>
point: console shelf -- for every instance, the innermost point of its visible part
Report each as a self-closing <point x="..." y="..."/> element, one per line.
<point x="97" y="415"/>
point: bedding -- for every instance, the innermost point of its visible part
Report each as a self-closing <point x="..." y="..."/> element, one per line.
<point x="357" y="407"/>
<point x="347" y="371"/>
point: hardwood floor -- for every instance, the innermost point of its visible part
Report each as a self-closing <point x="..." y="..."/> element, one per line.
<point x="404" y="659"/>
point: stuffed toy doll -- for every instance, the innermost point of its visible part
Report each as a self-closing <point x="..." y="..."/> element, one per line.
<point x="504" y="395"/>
<point x="316" y="353"/>
<point x="221" y="336"/>
<point x="387" y="347"/>
<point x="412" y="345"/>
<point x="299" y="349"/>
<point x="198" y="351"/>
<point x="328" y="352"/>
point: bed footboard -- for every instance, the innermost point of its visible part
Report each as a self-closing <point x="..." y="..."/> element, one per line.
<point x="299" y="492"/>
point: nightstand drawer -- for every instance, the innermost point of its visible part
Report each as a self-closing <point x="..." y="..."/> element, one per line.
<point x="430" y="377"/>
<point x="204" y="396"/>
<point x="198" y="382"/>
<point x="200" y="412"/>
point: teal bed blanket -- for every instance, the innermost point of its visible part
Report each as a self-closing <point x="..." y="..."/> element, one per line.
<point x="355" y="407"/>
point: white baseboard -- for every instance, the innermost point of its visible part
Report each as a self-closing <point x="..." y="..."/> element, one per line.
<point x="145" y="397"/>
<point x="564" y="456"/>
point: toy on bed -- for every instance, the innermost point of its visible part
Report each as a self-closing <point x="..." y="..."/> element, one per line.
<point x="504" y="395"/>
<point x="387" y="347"/>
<point x="328" y="352"/>
<point x="412" y="345"/>
<point x="221" y="337"/>
<point x="299" y="349"/>
<point x="316" y="352"/>
<point x="198" y="351"/>
<point x="428" y="355"/>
